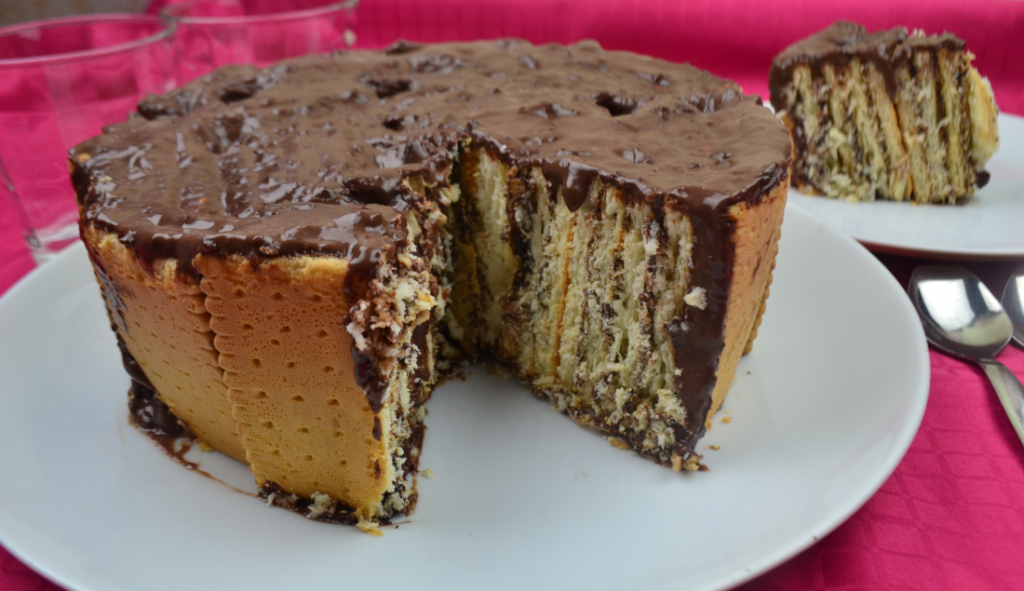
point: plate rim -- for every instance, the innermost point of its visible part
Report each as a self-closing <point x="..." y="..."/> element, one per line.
<point x="907" y="249"/>
<point x="907" y="434"/>
<point x="761" y="565"/>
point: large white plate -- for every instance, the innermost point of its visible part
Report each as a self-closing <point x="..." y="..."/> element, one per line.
<point x="990" y="226"/>
<point x="822" y="412"/>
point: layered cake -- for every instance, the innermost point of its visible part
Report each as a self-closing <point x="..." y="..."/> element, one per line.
<point x="886" y="115"/>
<point x="292" y="258"/>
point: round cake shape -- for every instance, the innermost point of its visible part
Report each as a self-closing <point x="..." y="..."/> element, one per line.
<point x="426" y="196"/>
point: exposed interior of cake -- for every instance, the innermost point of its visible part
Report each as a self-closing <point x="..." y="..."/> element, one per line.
<point x="572" y="298"/>
<point x="924" y="134"/>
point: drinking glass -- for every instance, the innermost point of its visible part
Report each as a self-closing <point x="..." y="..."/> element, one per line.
<point x="214" y="33"/>
<point x="61" y="82"/>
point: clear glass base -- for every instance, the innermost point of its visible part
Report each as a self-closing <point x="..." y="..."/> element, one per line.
<point x="44" y="246"/>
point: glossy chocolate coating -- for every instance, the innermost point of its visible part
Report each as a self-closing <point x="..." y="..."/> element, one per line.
<point x="151" y="415"/>
<point x="844" y="41"/>
<point x="307" y="157"/>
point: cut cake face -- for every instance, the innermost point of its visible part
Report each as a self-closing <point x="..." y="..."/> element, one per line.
<point x="887" y="115"/>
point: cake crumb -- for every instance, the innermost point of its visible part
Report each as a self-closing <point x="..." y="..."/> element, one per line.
<point x="428" y="473"/>
<point x="322" y="503"/>
<point x="696" y="298"/>
<point x="726" y="419"/>
<point x="692" y="464"/>
<point x="203" y="446"/>
<point x="715" y="447"/>
<point x="677" y="462"/>
<point x="369" y="527"/>
<point x="618" y="442"/>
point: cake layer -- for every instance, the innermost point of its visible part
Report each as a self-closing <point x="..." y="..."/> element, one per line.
<point x="349" y="226"/>
<point x="887" y="115"/>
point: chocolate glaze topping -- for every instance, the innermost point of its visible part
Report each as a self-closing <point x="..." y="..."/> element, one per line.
<point x="308" y="157"/>
<point x="844" y="41"/>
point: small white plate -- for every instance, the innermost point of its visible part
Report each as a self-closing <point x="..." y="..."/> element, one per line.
<point x="821" y="412"/>
<point x="989" y="226"/>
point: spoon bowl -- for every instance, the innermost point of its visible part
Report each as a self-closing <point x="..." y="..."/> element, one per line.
<point x="962" y="317"/>
<point x="1013" y="303"/>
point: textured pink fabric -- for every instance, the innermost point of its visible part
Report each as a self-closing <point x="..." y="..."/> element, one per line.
<point x="952" y="514"/>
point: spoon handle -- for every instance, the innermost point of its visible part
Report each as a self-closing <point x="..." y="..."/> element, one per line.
<point x="1009" y="390"/>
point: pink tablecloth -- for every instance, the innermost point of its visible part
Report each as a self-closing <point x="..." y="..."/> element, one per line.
<point x="952" y="514"/>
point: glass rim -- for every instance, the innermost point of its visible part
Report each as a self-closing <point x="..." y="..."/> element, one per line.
<point x="168" y="14"/>
<point x="167" y="30"/>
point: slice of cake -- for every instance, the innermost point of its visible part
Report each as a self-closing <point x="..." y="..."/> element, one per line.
<point x="292" y="258"/>
<point x="886" y="115"/>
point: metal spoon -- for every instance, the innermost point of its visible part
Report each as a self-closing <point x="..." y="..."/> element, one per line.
<point x="963" y="318"/>
<point x="1013" y="303"/>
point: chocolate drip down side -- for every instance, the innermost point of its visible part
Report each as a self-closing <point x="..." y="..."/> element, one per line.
<point x="698" y="339"/>
<point x="151" y="415"/>
<point x="146" y="410"/>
